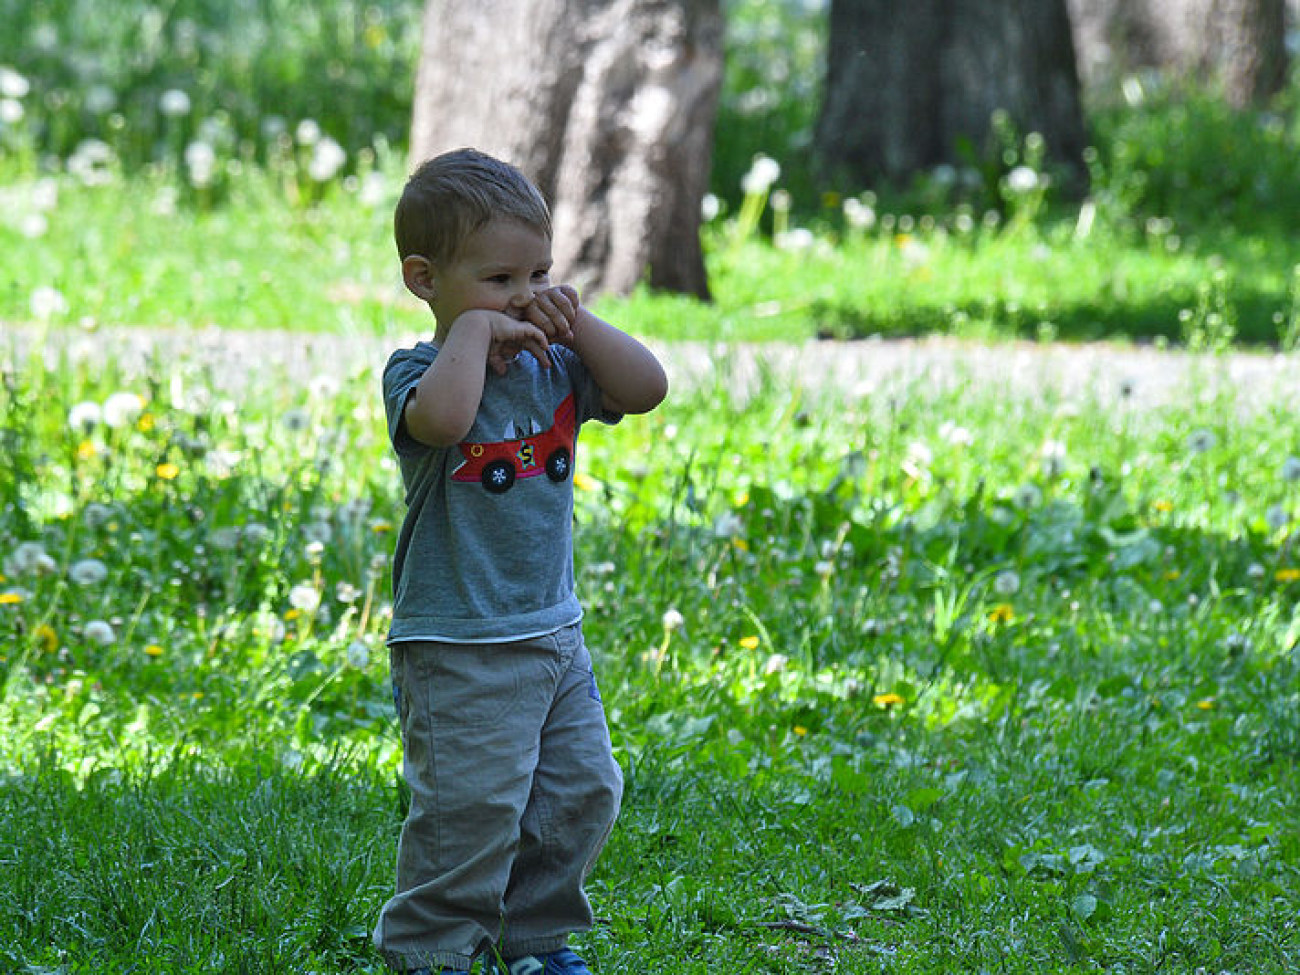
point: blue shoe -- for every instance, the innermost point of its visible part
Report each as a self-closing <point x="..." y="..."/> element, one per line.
<point x="562" y="962"/>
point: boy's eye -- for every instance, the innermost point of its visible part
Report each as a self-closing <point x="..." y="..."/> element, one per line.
<point x="541" y="275"/>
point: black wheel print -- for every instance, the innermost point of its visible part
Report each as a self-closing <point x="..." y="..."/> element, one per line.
<point x="559" y="464"/>
<point x="498" y="476"/>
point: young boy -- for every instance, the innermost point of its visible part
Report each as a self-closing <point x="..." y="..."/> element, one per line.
<point x="514" y="788"/>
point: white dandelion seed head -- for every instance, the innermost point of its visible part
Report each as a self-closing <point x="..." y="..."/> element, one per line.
<point x="860" y="216"/>
<point x="308" y="132"/>
<point x="28" y="558"/>
<point x="358" y="655"/>
<point x="13" y="84"/>
<point x="255" y="534"/>
<point x="200" y="163"/>
<point x="761" y="176"/>
<point x="34" y="225"/>
<point x="673" y="620"/>
<point x="796" y="239"/>
<point x="88" y="572"/>
<point x="1006" y="583"/>
<point x="225" y="539"/>
<point x="327" y="158"/>
<point x="100" y="632"/>
<point x="85" y="416"/>
<point x="296" y="421"/>
<point x="1022" y="180"/>
<point x="710" y="207"/>
<point x="11" y="111"/>
<point x="727" y="525"/>
<point x="96" y="515"/>
<point x="1201" y="441"/>
<point x="957" y="436"/>
<point x="318" y="532"/>
<point x="92" y="162"/>
<point x="100" y="100"/>
<point x="47" y="302"/>
<point x="824" y="569"/>
<point x="122" y="409"/>
<point x="304" y="597"/>
<point x="1027" y="496"/>
<point x="174" y="103"/>
<point x="919" y="454"/>
<point x="345" y="592"/>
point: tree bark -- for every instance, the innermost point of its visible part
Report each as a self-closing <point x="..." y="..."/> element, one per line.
<point x="1238" y="45"/>
<point x="909" y="80"/>
<point x="608" y="105"/>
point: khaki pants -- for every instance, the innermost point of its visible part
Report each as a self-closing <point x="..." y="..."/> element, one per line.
<point x="514" y="790"/>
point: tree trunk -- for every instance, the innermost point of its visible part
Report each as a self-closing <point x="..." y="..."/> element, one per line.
<point x="608" y="105"/>
<point x="1238" y="45"/>
<point x="909" y="80"/>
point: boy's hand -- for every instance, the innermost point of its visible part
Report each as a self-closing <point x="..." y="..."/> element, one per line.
<point x="555" y="311"/>
<point x="510" y="337"/>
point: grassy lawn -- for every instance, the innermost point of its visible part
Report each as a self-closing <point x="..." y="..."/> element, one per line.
<point x="933" y="677"/>
<point x="921" y="670"/>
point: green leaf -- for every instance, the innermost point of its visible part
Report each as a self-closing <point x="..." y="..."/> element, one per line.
<point x="1084" y="906"/>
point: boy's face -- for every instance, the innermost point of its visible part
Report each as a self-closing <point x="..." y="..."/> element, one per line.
<point x="499" y="268"/>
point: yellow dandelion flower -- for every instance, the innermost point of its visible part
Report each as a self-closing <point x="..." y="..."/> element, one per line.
<point x="1206" y="705"/>
<point x="1002" y="613"/>
<point x="46" y="637"/>
<point x="293" y="614"/>
<point x="1290" y="574"/>
<point x="197" y="696"/>
<point x="154" y="650"/>
<point x="740" y="544"/>
<point x="86" y="450"/>
<point x="380" y="527"/>
<point x="585" y="482"/>
<point x="146" y="422"/>
<point x="1163" y="506"/>
<point x="889" y="700"/>
<point x="1172" y="574"/>
<point x="749" y="642"/>
<point x="10" y="598"/>
<point x="742" y="499"/>
<point x="800" y="730"/>
<point x="168" y="471"/>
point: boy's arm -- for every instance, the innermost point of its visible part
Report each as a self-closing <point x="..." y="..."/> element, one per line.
<point x="630" y="378"/>
<point x="442" y="408"/>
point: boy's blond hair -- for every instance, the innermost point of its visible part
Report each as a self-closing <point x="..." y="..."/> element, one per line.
<point x="452" y="195"/>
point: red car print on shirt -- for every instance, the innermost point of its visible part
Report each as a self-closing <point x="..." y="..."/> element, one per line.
<point x="497" y="465"/>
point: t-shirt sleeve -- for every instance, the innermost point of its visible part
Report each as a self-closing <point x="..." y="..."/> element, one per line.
<point x="589" y="396"/>
<point x="401" y="375"/>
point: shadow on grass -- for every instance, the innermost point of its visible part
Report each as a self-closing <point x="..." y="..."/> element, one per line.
<point x="1145" y="319"/>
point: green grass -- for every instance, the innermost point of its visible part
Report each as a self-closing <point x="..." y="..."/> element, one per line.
<point x="125" y="255"/>
<point x="940" y="677"/>
<point x="933" y="673"/>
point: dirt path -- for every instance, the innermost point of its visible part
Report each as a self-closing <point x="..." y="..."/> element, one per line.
<point x="1145" y="376"/>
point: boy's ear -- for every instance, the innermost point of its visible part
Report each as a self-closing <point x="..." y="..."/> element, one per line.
<point x="418" y="273"/>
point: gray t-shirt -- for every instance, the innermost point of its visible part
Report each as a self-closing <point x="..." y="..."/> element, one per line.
<point x="485" y="553"/>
